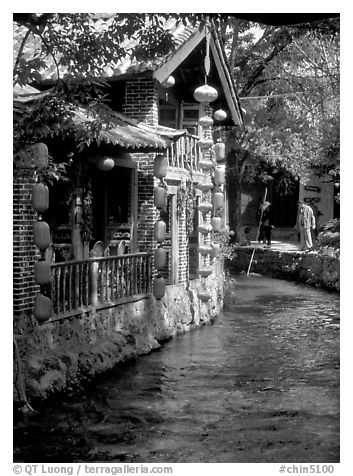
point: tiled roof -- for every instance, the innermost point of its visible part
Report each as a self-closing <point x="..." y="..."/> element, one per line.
<point x="125" y="131"/>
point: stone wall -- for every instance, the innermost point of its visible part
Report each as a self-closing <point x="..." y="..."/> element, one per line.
<point x="310" y="268"/>
<point x="59" y="355"/>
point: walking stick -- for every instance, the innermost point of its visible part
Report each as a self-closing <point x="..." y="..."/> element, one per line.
<point x="257" y="235"/>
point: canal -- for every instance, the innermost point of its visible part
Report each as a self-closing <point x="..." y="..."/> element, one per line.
<point x="259" y="384"/>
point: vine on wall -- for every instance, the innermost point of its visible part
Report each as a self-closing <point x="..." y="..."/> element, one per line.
<point x="186" y="201"/>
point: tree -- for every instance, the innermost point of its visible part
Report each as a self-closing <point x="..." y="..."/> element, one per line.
<point x="288" y="83"/>
<point x="72" y="51"/>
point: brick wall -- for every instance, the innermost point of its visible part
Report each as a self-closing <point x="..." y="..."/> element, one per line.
<point x="141" y="100"/>
<point x="24" y="251"/>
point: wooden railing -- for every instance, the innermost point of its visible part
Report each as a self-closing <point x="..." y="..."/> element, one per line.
<point x="99" y="282"/>
<point x="184" y="153"/>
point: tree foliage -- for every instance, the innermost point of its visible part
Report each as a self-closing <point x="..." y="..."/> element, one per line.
<point x="288" y="83"/>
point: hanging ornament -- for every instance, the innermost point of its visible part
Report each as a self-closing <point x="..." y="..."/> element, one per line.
<point x="205" y="94"/>
<point x="42" y="272"/>
<point x="220" y="115"/>
<point x="105" y="164"/>
<point x="160" y="229"/>
<point x="218" y="200"/>
<point x="168" y="83"/>
<point x="160" y="198"/>
<point x="206" y="121"/>
<point x="219" y="175"/>
<point x="42" y="307"/>
<point x="205" y="207"/>
<point x="40" y="197"/>
<point x="160" y="258"/>
<point x="216" y="223"/>
<point x="41" y="235"/>
<point x="204" y="296"/>
<point x="160" y="166"/>
<point x="204" y="271"/>
<point x="159" y="287"/>
<point x="220" y="150"/>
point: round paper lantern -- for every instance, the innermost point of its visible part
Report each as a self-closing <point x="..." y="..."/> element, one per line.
<point x="204" y="296"/>
<point x="219" y="175"/>
<point x="105" y="163"/>
<point x="220" y="150"/>
<point x="40" y="197"/>
<point x="205" y="143"/>
<point x="160" y="229"/>
<point x="160" y="166"/>
<point x="160" y="258"/>
<point x="204" y="249"/>
<point x="206" y="164"/>
<point x="215" y="248"/>
<point x="169" y="82"/>
<point x="206" y="121"/>
<point x="204" y="271"/>
<point x="160" y="198"/>
<point x="220" y="115"/>
<point x="205" y="94"/>
<point x="218" y="200"/>
<point x="205" y="228"/>
<point x="216" y="223"/>
<point x="159" y="287"/>
<point x="42" y="272"/>
<point x="205" y="207"/>
<point x="42" y="235"/>
<point x="205" y="186"/>
<point x="42" y="307"/>
<point x="40" y="154"/>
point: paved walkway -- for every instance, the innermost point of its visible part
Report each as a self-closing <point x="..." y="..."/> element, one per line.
<point x="279" y="246"/>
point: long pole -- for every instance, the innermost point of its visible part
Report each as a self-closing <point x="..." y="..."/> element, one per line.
<point x="258" y="233"/>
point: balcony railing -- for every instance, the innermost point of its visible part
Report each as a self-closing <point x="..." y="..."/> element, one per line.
<point x="82" y="285"/>
<point x="184" y="153"/>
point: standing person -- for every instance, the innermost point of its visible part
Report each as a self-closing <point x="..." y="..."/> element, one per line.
<point x="317" y="214"/>
<point x="305" y="222"/>
<point x="266" y="226"/>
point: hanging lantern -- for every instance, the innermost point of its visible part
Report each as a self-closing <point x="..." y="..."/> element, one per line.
<point x="160" y="166"/>
<point x="216" y="223"/>
<point x="206" y="164"/>
<point x="105" y="163"/>
<point x="219" y="175"/>
<point x="40" y="154"/>
<point x="205" y="186"/>
<point x="40" y="197"/>
<point x="42" y="235"/>
<point x="160" y="229"/>
<point x="205" y="94"/>
<point x="220" y="150"/>
<point x="215" y="248"/>
<point x="160" y="198"/>
<point x="159" y="287"/>
<point x="205" y="207"/>
<point x="42" y="272"/>
<point x="42" y="307"/>
<point x="206" y="121"/>
<point x="169" y="82"/>
<point x="204" y="249"/>
<point x="205" y="228"/>
<point x="160" y="258"/>
<point x="205" y="143"/>
<point x="204" y="271"/>
<point x="220" y="115"/>
<point x="204" y="296"/>
<point x="218" y="200"/>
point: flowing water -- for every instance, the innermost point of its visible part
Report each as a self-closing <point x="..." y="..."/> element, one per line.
<point x="260" y="384"/>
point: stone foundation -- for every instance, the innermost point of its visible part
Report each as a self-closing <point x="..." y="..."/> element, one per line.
<point x="311" y="268"/>
<point x="59" y="355"/>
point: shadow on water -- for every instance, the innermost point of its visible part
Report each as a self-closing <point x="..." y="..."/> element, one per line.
<point x="261" y="384"/>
